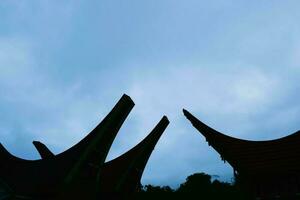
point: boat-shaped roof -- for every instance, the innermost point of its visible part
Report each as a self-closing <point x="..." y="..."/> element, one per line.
<point x="279" y="155"/>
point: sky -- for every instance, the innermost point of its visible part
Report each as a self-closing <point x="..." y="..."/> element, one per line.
<point x="65" y="63"/>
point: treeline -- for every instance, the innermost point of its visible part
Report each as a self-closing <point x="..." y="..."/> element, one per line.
<point x="196" y="186"/>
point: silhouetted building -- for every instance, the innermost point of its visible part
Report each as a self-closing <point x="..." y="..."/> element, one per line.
<point x="80" y="172"/>
<point x="265" y="169"/>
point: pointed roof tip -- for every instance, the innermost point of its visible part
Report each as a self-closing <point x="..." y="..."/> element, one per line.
<point x="185" y="112"/>
<point x="165" y="119"/>
<point x="137" y="157"/>
<point x="147" y="144"/>
<point x="36" y="142"/>
<point x="204" y="129"/>
<point x="189" y="116"/>
<point x="152" y="138"/>
<point x="160" y="127"/>
<point x="43" y="150"/>
<point x="126" y="97"/>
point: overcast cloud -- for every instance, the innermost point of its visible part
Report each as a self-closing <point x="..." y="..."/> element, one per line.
<point x="233" y="64"/>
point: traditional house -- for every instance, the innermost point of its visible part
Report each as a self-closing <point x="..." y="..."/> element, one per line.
<point x="80" y="172"/>
<point x="265" y="169"/>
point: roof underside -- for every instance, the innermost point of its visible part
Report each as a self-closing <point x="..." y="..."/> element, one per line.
<point x="273" y="156"/>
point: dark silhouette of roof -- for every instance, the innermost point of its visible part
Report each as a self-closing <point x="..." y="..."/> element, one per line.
<point x="253" y="157"/>
<point x="43" y="150"/>
<point x="123" y="173"/>
<point x="78" y="172"/>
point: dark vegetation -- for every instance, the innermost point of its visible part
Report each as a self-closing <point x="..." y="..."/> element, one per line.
<point x="196" y="186"/>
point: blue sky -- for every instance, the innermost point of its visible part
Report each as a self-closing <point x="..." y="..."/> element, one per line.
<point x="233" y="64"/>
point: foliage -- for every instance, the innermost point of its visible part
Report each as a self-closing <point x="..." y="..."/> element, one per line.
<point x="196" y="186"/>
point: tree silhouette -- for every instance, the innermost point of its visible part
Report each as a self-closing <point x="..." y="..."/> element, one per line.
<point x="196" y="186"/>
<point x="199" y="183"/>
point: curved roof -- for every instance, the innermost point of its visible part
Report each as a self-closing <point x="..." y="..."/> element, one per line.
<point x="278" y="155"/>
<point x="123" y="173"/>
<point x="43" y="150"/>
<point x="48" y="175"/>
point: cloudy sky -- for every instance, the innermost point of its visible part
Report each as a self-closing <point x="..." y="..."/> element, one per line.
<point x="233" y="64"/>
